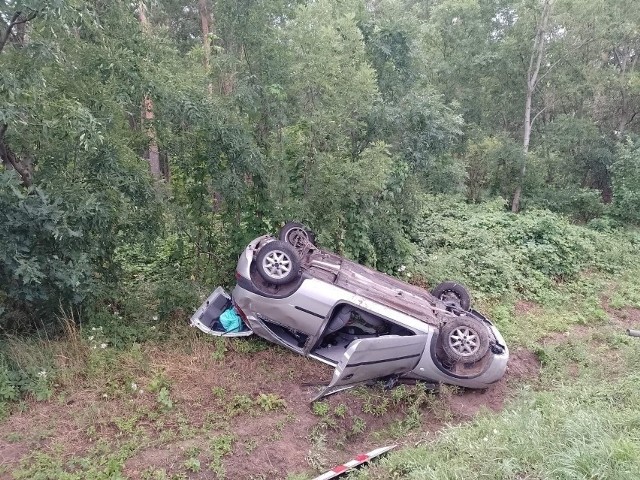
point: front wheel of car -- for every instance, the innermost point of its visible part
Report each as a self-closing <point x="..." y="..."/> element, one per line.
<point x="453" y="294"/>
<point x="465" y="339"/>
<point x="278" y="263"/>
<point x="296" y="234"/>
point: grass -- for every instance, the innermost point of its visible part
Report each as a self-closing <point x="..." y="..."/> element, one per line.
<point x="581" y="420"/>
<point x="586" y="428"/>
<point x="191" y="405"/>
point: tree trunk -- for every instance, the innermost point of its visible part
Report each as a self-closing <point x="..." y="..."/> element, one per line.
<point x="24" y="168"/>
<point x="206" y="41"/>
<point x="152" y="155"/>
<point x="9" y="159"/>
<point x="626" y="60"/>
<point x="537" y="54"/>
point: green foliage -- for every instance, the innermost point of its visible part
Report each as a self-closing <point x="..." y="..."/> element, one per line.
<point x="492" y="164"/>
<point x="64" y="101"/>
<point x="28" y="381"/>
<point x="164" y="399"/>
<point x="239" y="404"/>
<point x="583" y="204"/>
<point x="158" y="383"/>
<point x="320" y="408"/>
<point x="578" y="154"/>
<point x="44" y="259"/>
<point x="8" y="384"/>
<point x="330" y="112"/>
<point x="270" y="401"/>
<point x="192" y="464"/>
<point x="626" y="183"/>
<point x="562" y="431"/>
<point x="499" y="253"/>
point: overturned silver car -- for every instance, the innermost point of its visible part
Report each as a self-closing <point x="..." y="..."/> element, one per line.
<point x="364" y="323"/>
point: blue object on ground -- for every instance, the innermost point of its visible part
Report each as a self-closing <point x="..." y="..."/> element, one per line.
<point x="231" y="321"/>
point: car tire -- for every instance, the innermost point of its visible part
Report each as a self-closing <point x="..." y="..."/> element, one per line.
<point x="296" y="234"/>
<point x="465" y="340"/>
<point x="278" y="263"/>
<point x="452" y="293"/>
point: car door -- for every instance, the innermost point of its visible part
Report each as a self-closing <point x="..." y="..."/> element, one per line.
<point x="371" y="358"/>
<point x="207" y="317"/>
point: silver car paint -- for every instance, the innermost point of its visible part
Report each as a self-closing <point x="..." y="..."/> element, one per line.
<point x="321" y="297"/>
<point x="380" y="357"/>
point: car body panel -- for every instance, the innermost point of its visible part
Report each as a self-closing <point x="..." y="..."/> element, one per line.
<point x="478" y="376"/>
<point x="206" y="316"/>
<point x="308" y="310"/>
<point x="298" y="316"/>
<point x="371" y="358"/>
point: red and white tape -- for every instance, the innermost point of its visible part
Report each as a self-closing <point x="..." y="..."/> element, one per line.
<point x="359" y="460"/>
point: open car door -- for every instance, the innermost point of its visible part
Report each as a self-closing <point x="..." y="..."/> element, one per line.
<point x="207" y="317"/>
<point x="370" y="358"/>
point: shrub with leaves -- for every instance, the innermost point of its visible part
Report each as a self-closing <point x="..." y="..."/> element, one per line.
<point x="496" y="252"/>
<point x="626" y="183"/>
<point x="44" y="260"/>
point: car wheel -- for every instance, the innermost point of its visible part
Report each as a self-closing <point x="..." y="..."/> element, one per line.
<point x="296" y="234"/>
<point x="278" y="263"/>
<point x="465" y="340"/>
<point x="452" y="293"/>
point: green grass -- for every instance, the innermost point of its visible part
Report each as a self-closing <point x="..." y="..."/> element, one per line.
<point x="582" y="422"/>
<point x="579" y="419"/>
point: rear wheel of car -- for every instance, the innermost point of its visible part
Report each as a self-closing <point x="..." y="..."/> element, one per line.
<point x="296" y="234"/>
<point x="278" y="263"/>
<point x="453" y="294"/>
<point x="465" y="339"/>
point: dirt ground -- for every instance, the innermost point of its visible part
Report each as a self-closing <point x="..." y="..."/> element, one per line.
<point x="212" y="420"/>
<point x="238" y="409"/>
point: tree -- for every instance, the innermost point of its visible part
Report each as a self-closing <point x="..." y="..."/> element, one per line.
<point x="532" y="80"/>
<point x="68" y="89"/>
<point x="153" y="155"/>
<point x="17" y="20"/>
<point x="205" y="21"/>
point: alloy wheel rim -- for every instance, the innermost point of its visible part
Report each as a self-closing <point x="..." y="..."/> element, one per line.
<point x="277" y="264"/>
<point x="464" y="341"/>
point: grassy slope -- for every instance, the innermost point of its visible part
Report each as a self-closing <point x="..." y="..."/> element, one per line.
<point x="580" y="420"/>
<point x="186" y="406"/>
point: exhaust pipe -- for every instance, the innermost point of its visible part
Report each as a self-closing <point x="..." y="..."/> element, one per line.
<point x="633" y="333"/>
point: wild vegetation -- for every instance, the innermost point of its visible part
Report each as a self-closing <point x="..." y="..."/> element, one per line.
<point x="142" y="144"/>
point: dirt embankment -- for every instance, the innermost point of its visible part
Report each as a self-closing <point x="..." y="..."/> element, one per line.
<point x="242" y="415"/>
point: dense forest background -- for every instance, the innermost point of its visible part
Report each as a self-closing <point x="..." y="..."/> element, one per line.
<point x="144" y="143"/>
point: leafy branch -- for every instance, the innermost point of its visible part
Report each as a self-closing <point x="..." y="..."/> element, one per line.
<point x="18" y="18"/>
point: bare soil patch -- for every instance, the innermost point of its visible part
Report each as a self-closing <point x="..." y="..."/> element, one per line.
<point x="266" y="439"/>
<point x="627" y="318"/>
<point x="523" y="366"/>
<point x="525" y="307"/>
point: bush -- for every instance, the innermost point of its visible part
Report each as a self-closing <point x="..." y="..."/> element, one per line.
<point x="57" y="239"/>
<point x="497" y="253"/>
<point x="583" y="204"/>
<point x="626" y="183"/>
<point x="44" y="256"/>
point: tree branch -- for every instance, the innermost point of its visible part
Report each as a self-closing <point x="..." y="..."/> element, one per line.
<point x="8" y="157"/>
<point x="15" y="20"/>
<point x="541" y="111"/>
<point x="615" y="53"/>
<point x="632" y="118"/>
<point x="538" y="47"/>
<point x="563" y="57"/>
